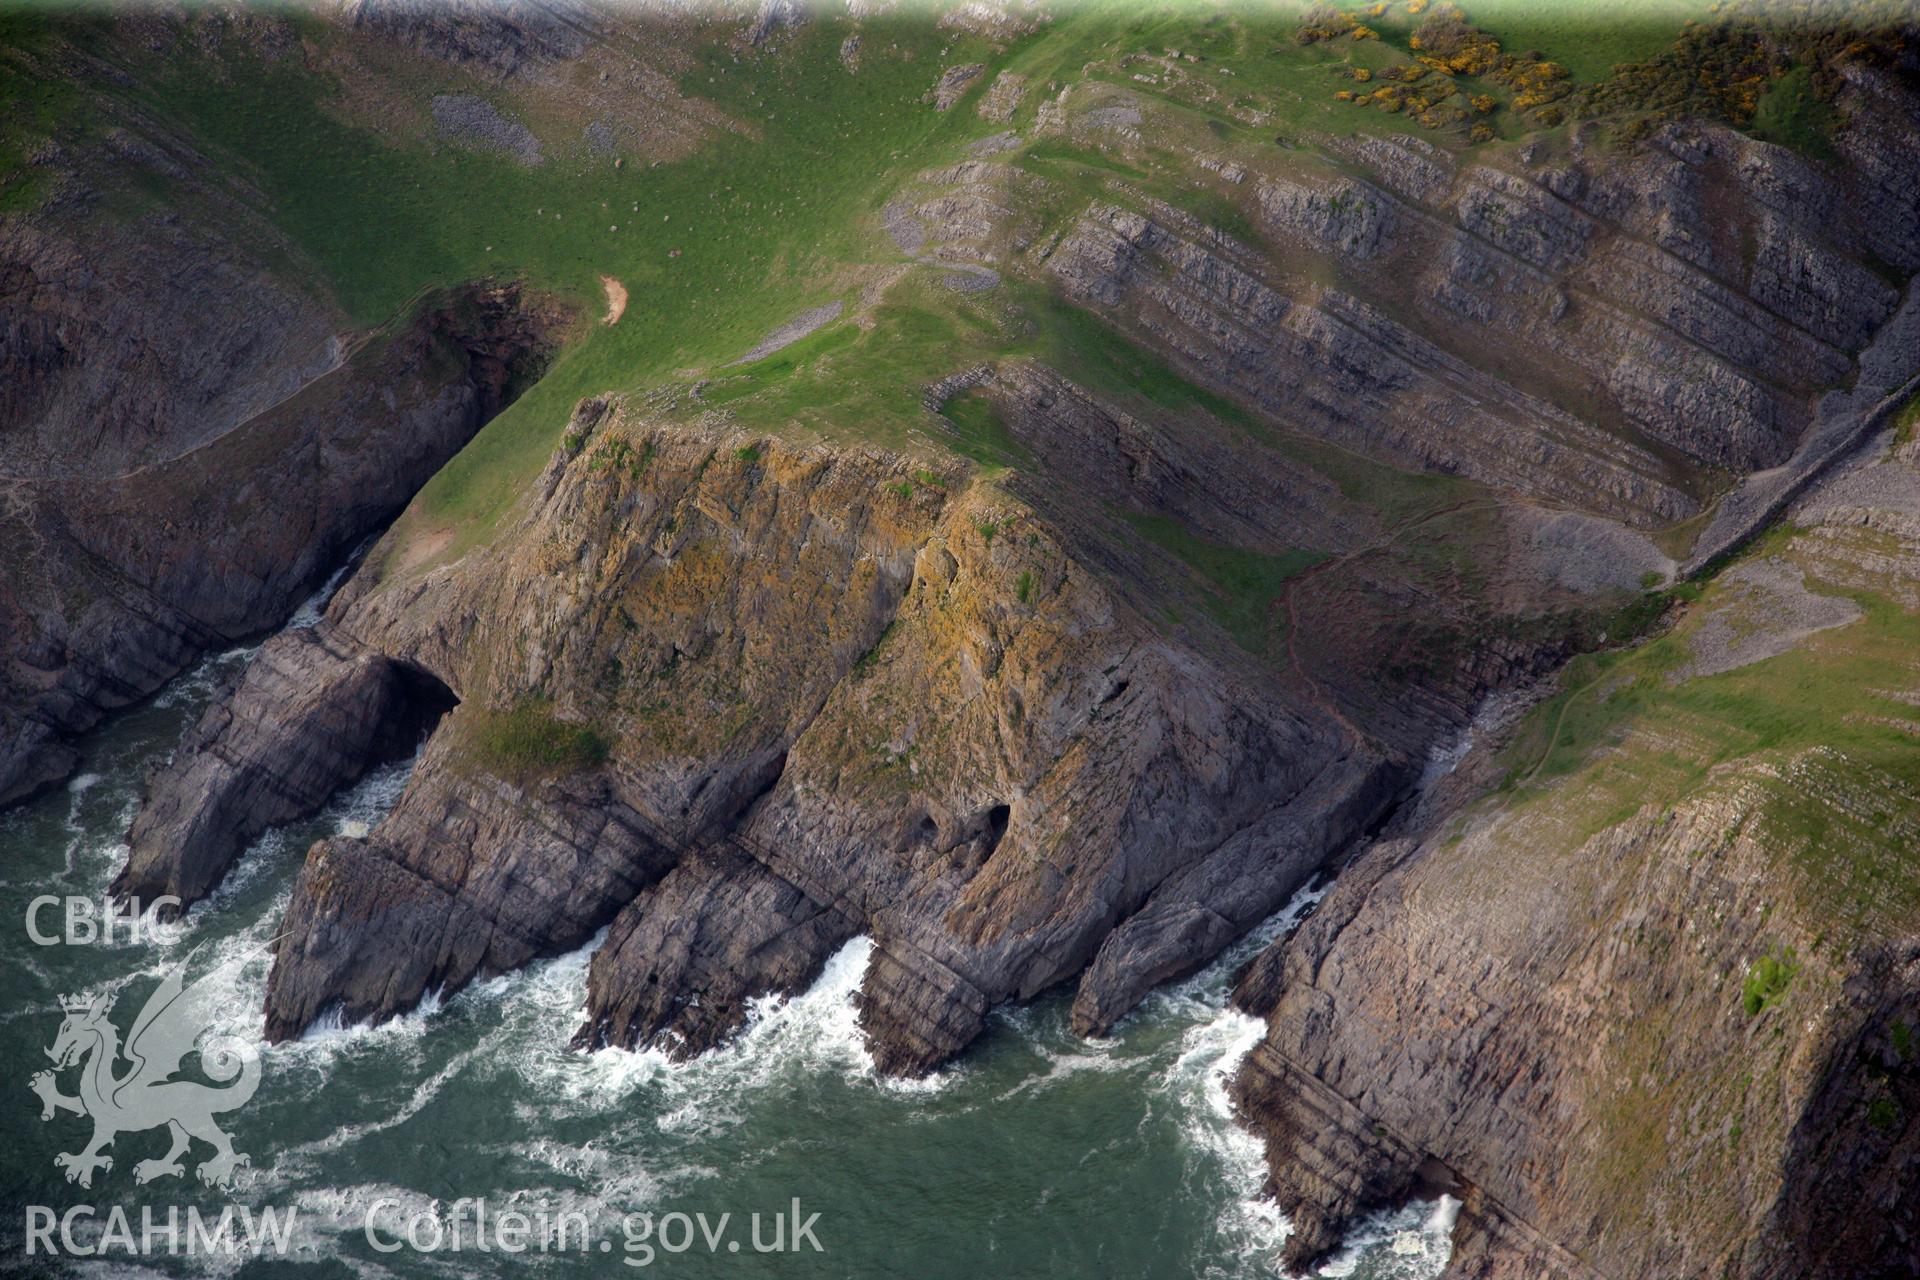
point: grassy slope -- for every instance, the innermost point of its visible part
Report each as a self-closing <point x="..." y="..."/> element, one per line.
<point x="1791" y="115"/>
<point x="765" y="222"/>
<point x="1622" y="736"/>
<point x="1588" y="42"/>
<point x="761" y="224"/>
<point x="785" y="215"/>
<point x="31" y="105"/>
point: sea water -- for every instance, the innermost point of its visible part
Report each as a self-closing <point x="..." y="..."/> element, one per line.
<point x="1037" y="1154"/>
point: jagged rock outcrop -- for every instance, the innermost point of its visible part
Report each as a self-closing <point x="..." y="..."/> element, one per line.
<point x="502" y="40"/>
<point x="938" y="730"/>
<point x="470" y="875"/>
<point x="653" y="603"/>
<point x="1346" y="217"/>
<point x="954" y="83"/>
<point x="836" y="693"/>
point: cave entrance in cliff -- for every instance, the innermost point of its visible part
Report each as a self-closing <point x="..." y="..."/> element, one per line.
<point x="422" y="700"/>
<point x="998" y="819"/>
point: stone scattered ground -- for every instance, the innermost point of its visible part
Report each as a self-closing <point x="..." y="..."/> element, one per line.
<point x="793" y="330"/>
<point x="1881" y="497"/>
<point x="474" y="122"/>
<point x="1776" y="611"/>
<point x="1123" y="116"/>
<point x="1586" y="553"/>
<point x="968" y="277"/>
<point x="1003" y="99"/>
<point x="994" y="144"/>
<point x="908" y="236"/>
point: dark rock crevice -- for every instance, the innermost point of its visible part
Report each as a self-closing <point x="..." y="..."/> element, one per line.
<point x="1850" y="1205"/>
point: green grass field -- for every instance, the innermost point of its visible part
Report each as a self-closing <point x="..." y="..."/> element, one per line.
<point x="1588" y="39"/>
<point x="775" y="215"/>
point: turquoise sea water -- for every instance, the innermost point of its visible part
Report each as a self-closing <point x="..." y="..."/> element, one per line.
<point x="1039" y="1154"/>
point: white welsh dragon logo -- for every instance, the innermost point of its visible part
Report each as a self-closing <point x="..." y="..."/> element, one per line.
<point x="144" y="1096"/>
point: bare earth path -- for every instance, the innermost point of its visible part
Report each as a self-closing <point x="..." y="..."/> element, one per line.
<point x="616" y="300"/>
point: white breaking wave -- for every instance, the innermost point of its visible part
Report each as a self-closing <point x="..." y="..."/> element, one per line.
<point x="1211" y="1051"/>
<point x="1188" y="1047"/>
<point x="199" y="683"/>
<point x="1409" y="1243"/>
<point x="1210" y="1055"/>
<point x="314" y="606"/>
<point x="354" y="811"/>
<point x="783" y="1037"/>
<point x="1412" y="1243"/>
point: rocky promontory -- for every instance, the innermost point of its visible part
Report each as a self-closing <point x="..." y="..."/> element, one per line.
<point x="1035" y="513"/>
<point x="737" y="700"/>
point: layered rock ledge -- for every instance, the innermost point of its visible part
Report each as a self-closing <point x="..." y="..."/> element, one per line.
<point x="736" y="700"/>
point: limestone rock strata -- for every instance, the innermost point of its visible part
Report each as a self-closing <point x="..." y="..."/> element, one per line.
<point x="118" y="581"/>
<point x="311" y="714"/>
<point x="832" y="707"/>
<point x="1421" y="1040"/>
<point x="1594" y="329"/>
<point x="468" y="876"/>
<point x="833" y="692"/>
<point x="1553" y="1012"/>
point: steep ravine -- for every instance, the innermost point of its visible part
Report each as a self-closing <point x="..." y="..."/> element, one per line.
<point x="193" y="435"/>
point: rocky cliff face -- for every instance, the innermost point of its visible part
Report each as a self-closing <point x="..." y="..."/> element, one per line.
<point x="1392" y="434"/>
<point x="1675" y="1041"/>
<point x="1647" y="1025"/>
<point x="1572" y="324"/>
<point x="193" y="437"/>
<point x="122" y="577"/>
<point x="829" y="707"/>
<point x="309" y="717"/>
<point x="737" y="700"/>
